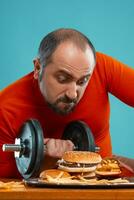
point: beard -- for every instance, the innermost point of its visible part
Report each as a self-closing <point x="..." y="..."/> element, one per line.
<point x="69" y="105"/>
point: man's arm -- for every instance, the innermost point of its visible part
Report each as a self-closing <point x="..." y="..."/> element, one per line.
<point x="118" y="79"/>
<point x="8" y="167"/>
<point x="128" y="163"/>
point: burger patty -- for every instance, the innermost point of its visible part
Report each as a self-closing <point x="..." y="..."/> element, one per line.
<point x="77" y="164"/>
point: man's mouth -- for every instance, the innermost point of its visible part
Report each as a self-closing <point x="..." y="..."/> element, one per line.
<point x="63" y="106"/>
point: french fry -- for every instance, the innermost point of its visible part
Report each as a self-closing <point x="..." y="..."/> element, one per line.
<point x="81" y="180"/>
<point x="11" y="185"/>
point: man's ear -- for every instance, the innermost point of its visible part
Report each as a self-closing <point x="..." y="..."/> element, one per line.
<point x="37" y="68"/>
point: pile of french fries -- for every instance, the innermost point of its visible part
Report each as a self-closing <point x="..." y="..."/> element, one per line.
<point x="81" y="180"/>
<point x="11" y="185"/>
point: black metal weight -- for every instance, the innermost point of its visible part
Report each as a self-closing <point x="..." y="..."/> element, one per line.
<point x="81" y="136"/>
<point x="28" y="149"/>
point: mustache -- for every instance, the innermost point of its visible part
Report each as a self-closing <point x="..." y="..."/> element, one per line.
<point x="66" y="99"/>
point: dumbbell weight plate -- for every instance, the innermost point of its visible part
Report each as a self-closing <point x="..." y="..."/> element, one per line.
<point x="29" y="161"/>
<point x="81" y="136"/>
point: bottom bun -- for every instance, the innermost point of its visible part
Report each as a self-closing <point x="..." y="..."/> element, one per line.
<point x="107" y="173"/>
<point x="84" y="174"/>
<point x="77" y="169"/>
<point x="88" y="174"/>
<point x="54" y="173"/>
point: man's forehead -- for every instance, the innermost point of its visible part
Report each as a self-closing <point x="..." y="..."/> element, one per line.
<point x="68" y="68"/>
<point x="70" y="47"/>
<point x="71" y="57"/>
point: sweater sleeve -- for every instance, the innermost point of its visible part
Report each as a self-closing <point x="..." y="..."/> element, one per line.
<point x="119" y="79"/>
<point x="8" y="167"/>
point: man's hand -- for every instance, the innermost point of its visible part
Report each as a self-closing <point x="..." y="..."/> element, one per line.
<point x="56" y="147"/>
<point x="128" y="163"/>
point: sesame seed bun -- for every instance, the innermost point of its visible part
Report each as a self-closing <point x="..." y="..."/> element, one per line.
<point x="82" y="157"/>
<point x="79" y="161"/>
<point x="87" y="175"/>
<point x="108" y="173"/>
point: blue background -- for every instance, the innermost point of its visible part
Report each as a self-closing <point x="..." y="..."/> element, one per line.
<point x="109" y="25"/>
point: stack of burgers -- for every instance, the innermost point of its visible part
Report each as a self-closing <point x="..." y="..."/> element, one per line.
<point x="83" y="164"/>
<point x="75" y="163"/>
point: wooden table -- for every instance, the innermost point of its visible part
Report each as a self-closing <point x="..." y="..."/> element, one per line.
<point x="67" y="194"/>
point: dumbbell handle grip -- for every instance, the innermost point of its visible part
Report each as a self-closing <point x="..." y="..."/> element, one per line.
<point x="97" y="149"/>
<point x="11" y="147"/>
<point x="14" y="147"/>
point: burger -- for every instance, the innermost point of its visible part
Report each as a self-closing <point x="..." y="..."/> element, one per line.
<point x="80" y="163"/>
<point x="108" y="167"/>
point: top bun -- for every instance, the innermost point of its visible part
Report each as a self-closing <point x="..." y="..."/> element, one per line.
<point x="82" y="157"/>
<point x="54" y="173"/>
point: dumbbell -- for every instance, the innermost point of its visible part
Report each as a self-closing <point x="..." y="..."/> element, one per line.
<point x="29" y="148"/>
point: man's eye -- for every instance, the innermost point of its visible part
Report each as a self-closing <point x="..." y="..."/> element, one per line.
<point x="61" y="79"/>
<point x="83" y="81"/>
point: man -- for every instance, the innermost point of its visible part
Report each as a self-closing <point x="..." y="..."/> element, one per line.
<point x="70" y="82"/>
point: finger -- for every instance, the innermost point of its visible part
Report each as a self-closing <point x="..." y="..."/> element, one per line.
<point x="50" y="147"/>
<point x="46" y="140"/>
<point x="69" y="145"/>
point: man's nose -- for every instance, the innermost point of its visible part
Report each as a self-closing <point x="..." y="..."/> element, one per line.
<point x="72" y="91"/>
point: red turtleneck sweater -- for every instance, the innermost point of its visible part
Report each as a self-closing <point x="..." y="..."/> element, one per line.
<point x="22" y="100"/>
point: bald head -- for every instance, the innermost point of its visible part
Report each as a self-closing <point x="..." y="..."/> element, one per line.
<point x="51" y="41"/>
